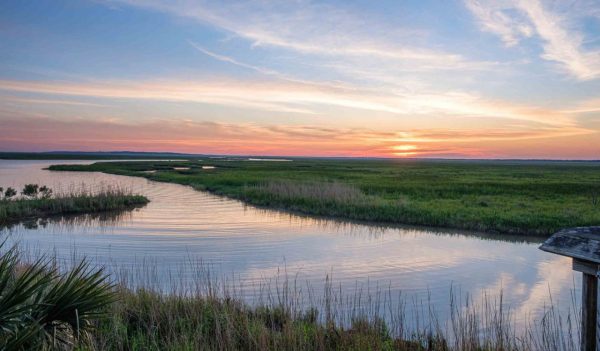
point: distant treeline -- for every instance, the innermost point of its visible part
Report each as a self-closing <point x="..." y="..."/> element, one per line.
<point x="91" y="155"/>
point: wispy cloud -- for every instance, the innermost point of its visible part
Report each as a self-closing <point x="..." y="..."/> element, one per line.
<point x="20" y="100"/>
<point x="494" y="19"/>
<point x="233" y="61"/>
<point x="484" y="135"/>
<point x="562" y="42"/>
<point x="299" y="98"/>
<point x="585" y="106"/>
<point x="266" y="71"/>
<point x="210" y="92"/>
<point x="309" y="28"/>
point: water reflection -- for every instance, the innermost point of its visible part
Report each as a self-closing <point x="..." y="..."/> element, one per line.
<point x="172" y="240"/>
<point x="351" y="227"/>
<point x="73" y="221"/>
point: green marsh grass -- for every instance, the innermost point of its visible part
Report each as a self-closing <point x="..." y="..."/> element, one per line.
<point x="515" y="197"/>
<point x="334" y="193"/>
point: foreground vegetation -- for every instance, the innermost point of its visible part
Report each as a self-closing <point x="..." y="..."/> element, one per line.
<point x="42" y="308"/>
<point x="45" y="307"/>
<point x="147" y="320"/>
<point x="520" y="197"/>
<point x="39" y="201"/>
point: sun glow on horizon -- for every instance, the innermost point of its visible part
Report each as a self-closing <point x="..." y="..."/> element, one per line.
<point x="405" y="150"/>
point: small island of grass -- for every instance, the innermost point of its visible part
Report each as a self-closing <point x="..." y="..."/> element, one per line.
<point x="36" y="201"/>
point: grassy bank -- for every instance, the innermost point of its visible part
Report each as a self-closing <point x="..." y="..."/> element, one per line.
<point x="494" y="196"/>
<point x="48" y="307"/>
<point x="146" y="320"/>
<point x="76" y="202"/>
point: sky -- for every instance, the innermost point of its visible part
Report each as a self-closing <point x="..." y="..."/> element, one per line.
<point x="387" y="78"/>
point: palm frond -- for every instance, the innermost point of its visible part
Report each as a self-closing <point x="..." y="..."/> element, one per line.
<point x="41" y="307"/>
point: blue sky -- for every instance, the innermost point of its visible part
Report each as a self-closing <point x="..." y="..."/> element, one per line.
<point x="515" y="78"/>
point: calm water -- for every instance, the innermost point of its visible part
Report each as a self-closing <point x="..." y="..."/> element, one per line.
<point x="255" y="246"/>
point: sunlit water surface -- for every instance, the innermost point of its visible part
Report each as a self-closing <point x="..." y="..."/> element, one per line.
<point x="182" y="232"/>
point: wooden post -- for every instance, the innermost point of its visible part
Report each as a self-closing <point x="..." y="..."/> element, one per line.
<point x="590" y="321"/>
<point x="582" y="244"/>
<point x="597" y="314"/>
<point x="589" y="297"/>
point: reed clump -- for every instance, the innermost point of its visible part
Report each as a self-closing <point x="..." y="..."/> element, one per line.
<point x="323" y="192"/>
<point x="40" y="201"/>
<point x="146" y="320"/>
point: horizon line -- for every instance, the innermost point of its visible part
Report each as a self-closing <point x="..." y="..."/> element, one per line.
<point x="59" y="152"/>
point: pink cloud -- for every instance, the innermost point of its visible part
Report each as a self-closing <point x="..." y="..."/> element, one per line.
<point x="42" y="134"/>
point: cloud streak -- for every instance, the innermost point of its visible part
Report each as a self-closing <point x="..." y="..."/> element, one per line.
<point x="560" y="43"/>
<point x="233" y="61"/>
<point x="301" y="98"/>
<point x="493" y="19"/>
<point x="330" y="32"/>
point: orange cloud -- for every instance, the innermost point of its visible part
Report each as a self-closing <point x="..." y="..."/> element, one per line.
<point x="40" y="133"/>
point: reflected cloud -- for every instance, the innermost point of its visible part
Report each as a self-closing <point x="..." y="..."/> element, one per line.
<point x="69" y="222"/>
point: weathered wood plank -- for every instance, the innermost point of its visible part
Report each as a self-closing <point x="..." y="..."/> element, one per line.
<point x="586" y="267"/>
<point x="582" y="243"/>
<point x="589" y="298"/>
